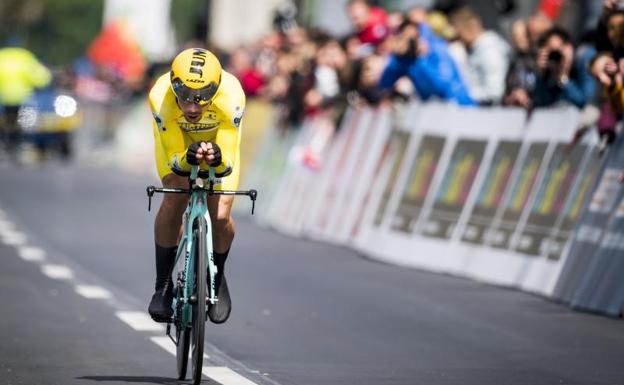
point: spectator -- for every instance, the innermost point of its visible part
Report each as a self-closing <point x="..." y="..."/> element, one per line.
<point x="489" y="10"/>
<point x="561" y="78"/>
<point x="537" y="25"/>
<point x="522" y="74"/>
<point x="430" y="67"/>
<point x="330" y="77"/>
<point x="289" y="86"/>
<point x="609" y="31"/>
<point x="242" y="67"/>
<point x="605" y="66"/>
<point x="370" y="23"/>
<point x="488" y="57"/>
<point x="368" y="76"/>
<point x="20" y="74"/>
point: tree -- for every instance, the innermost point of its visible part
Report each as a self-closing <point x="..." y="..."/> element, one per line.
<point x="57" y="31"/>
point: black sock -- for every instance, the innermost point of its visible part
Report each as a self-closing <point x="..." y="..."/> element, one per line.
<point x="219" y="260"/>
<point x="165" y="258"/>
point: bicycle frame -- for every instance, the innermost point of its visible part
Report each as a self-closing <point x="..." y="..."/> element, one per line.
<point x="197" y="209"/>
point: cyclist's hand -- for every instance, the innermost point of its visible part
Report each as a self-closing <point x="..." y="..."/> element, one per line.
<point x="195" y="153"/>
<point x="213" y="154"/>
<point x="208" y="151"/>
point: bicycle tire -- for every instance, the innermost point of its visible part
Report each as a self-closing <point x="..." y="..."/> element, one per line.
<point x="182" y="351"/>
<point x="199" y="308"/>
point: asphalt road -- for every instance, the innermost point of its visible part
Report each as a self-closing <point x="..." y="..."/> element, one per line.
<point x="76" y="255"/>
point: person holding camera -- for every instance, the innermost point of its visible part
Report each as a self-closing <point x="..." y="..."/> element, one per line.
<point x="562" y="78"/>
<point x="428" y="64"/>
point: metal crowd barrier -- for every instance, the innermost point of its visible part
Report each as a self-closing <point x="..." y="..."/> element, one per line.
<point x="482" y="193"/>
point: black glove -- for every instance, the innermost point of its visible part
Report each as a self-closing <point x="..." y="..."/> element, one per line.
<point x="217" y="155"/>
<point x="191" y="154"/>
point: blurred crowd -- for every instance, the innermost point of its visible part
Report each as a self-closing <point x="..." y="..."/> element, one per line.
<point x="439" y="53"/>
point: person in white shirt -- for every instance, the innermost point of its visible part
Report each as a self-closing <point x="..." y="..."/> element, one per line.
<point x="488" y="57"/>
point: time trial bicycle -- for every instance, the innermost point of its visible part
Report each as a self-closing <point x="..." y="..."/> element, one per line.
<point x="195" y="285"/>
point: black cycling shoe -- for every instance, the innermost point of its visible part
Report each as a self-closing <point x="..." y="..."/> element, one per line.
<point x="220" y="311"/>
<point x="160" y="306"/>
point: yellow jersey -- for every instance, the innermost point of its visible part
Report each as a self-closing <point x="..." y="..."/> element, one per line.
<point x="221" y="123"/>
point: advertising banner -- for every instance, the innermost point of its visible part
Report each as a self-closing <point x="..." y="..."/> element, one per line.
<point x="457" y="183"/>
<point x="592" y="277"/>
<point x="612" y="293"/>
<point x="521" y="190"/>
<point x="588" y="237"/>
<point x="490" y="197"/>
<point x="394" y="153"/>
<point x="578" y="198"/>
<point x="335" y="169"/>
<point x="419" y="183"/>
<point x="482" y="193"/>
<point x="549" y="203"/>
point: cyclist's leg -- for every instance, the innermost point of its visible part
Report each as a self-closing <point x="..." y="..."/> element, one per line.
<point x="169" y="217"/>
<point x="166" y="234"/>
<point x="223" y="228"/>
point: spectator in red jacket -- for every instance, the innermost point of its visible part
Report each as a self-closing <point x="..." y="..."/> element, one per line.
<point x="370" y="23"/>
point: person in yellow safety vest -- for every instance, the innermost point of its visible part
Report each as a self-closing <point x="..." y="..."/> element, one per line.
<point x="20" y="74"/>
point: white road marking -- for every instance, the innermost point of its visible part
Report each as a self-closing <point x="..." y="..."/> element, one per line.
<point x="139" y="320"/>
<point x="13" y="238"/>
<point x="93" y="292"/>
<point x="31" y="254"/>
<point x="165" y="343"/>
<point x="226" y="376"/>
<point x="221" y="374"/>
<point x="57" y="271"/>
<point x="169" y="346"/>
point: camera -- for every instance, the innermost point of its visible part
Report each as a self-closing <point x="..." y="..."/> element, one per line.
<point x="554" y="62"/>
<point x="554" y="59"/>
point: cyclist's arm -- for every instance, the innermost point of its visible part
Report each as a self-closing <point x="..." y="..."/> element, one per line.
<point x="228" y="136"/>
<point x="168" y="135"/>
<point x="173" y="143"/>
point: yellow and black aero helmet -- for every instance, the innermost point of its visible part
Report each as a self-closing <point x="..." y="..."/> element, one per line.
<point x="195" y="75"/>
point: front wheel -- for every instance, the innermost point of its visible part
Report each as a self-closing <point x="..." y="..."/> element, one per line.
<point x="182" y="353"/>
<point x="199" y="308"/>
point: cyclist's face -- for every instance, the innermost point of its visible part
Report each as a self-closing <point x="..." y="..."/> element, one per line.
<point x="192" y="111"/>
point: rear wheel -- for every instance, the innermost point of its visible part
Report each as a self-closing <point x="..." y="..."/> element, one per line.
<point x="199" y="308"/>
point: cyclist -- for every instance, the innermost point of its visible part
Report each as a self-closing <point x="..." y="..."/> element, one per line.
<point x="197" y="109"/>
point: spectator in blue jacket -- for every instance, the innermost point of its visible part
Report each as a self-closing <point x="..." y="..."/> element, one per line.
<point x="428" y="65"/>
